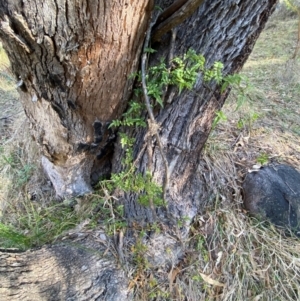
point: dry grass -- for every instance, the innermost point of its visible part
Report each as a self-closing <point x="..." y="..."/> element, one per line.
<point x="8" y="96"/>
<point x="21" y="178"/>
<point x="234" y="257"/>
<point x="19" y="163"/>
<point x="249" y="260"/>
<point x="229" y="255"/>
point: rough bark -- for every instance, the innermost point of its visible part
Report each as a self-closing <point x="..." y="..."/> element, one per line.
<point x="73" y="60"/>
<point x="221" y="30"/>
<point x="81" y="270"/>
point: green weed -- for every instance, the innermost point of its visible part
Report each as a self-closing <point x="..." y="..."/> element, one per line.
<point x="35" y="226"/>
<point x="12" y="238"/>
<point x="262" y="159"/>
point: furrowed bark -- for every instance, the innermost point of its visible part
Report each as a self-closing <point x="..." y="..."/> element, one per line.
<point x="185" y="121"/>
<point x="73" y="61"/>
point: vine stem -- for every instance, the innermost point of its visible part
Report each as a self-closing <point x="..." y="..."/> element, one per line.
<point x="152" y="124"/>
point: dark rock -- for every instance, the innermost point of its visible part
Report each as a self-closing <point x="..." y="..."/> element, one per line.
<point x="273" y="193"/>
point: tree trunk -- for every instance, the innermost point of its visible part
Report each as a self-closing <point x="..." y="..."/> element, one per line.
<point x="73" y="60"/>
<point x="221" y="31"/>
<point x="73" y="68"/>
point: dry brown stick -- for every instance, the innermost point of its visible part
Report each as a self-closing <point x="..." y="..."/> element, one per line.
<point x="174" y="17"/>
<point x="150" y="167"/>
<point x="170" y="10"/>
<point x="153" y="126"/>
<point x="170" y="60"/>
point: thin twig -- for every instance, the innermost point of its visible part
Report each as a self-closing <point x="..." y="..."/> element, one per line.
<point x="153" y="127"/>
<point x="150" y="167"/>
<point x="170" y="60"/>
<point x="172" y="47"/>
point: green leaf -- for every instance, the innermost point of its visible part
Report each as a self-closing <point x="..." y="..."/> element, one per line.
<point x="220" y="116"/>
<point x="150" y="50"/>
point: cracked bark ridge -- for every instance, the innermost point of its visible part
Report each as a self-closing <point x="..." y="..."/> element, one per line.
<point x="63" y="272"/>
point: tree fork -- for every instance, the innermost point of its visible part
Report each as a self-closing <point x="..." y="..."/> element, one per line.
<point x="221" y="30"/>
